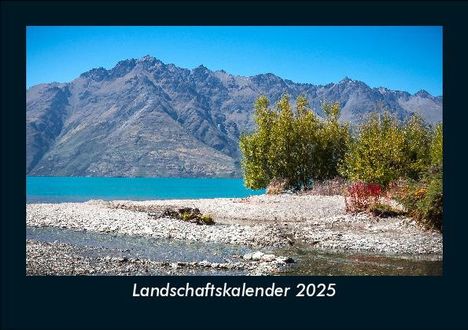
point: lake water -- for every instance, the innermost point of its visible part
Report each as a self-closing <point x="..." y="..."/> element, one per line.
<point x="78" y="189"/>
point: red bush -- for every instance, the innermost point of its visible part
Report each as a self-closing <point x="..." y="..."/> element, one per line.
<point x="361" y="196"/>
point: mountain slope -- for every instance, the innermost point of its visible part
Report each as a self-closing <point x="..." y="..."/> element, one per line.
<point x="147" y="118"/>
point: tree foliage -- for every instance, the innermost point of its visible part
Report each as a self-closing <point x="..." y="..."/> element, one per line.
<point x="292" y="145"/>
<point x="436" y="149"/>
<point x="376" y="154"/>
<point x="292" y="148"/>
<point x="428" y="207"/>
<point x="408" y="155"/>
<point x="417" y="137"/>
<point x="385" y="150"/>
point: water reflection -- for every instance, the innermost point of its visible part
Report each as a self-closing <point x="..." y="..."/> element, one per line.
<point x="313" y="262"/>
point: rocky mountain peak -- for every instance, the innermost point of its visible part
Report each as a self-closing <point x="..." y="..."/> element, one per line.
<point x="163" y="120"/>
<point x="122" y="68"/>
<point x="351" y="83"/>
<point x="346" y="80"/>
<point x="201" y="69"/>
<point x="423" y="93"/>
<point x="97" y="74"/>
<point x="148" y="58"/>
<point x="149" y="63"/>
<point x="268" y="76"/>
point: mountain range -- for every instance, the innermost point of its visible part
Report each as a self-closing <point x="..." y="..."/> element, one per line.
<point x="147" y="118"/>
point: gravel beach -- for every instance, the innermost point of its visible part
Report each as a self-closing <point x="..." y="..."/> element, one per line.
<point x="59" y="259"/>
<point x="257" y="221"/>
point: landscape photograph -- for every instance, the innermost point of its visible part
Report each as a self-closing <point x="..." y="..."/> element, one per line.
<point x="234" y="150"/>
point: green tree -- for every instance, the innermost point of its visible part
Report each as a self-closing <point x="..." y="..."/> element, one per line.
<point x="333" y="142"/>
<point x="256" y="147"/>
<point x="377" y="154"/>
<point x="283" y="153"/>
<point x="436" y="149"/>
<point x="424" y="198"/>
<point x="417" y="143"/>
<point x="385" y="150"/>
<point x="307" y="130"/>
<point x="431" y="207"/>
<point x="292" y="146"/>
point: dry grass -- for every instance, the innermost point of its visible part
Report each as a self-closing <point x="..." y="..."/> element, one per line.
<point x="277" y="186"/>
<point x="332" y="187"/>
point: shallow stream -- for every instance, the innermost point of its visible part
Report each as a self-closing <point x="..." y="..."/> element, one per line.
<point x="309" y="261"/>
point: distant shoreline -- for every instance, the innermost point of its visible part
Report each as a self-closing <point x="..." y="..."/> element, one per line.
<point x="83" y="189"/>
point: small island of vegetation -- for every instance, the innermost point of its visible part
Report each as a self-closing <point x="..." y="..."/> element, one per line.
<point x="385" y="166"/>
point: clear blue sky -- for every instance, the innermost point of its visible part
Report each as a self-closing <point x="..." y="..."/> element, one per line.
<point x="401" y="58"/>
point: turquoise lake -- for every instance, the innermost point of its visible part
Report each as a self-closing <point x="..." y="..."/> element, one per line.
<point x="79" y="189"/>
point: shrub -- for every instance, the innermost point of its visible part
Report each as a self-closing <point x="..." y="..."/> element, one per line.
<point x="424" y="200"/>
<point x="293" y="146"/>
<point x="436" y="148"/>
<point x="189" y="214"/>
<point x="377" y="153"/>
<point x="430" y="208"/>
<point x="277" y="186"/>
<point x="333" y="142"/>
<point x="416" y="148"/>
<point x="386" y="149"/>
<point x="362" y="196"/>
<point x="207" y="219"/>
<point x="186" y="216"/>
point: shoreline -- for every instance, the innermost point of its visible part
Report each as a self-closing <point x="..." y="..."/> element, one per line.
<point x="62" y="259"/>
<point x="259" y="221"/>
